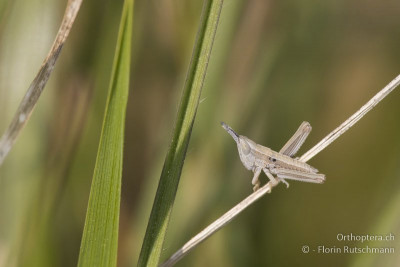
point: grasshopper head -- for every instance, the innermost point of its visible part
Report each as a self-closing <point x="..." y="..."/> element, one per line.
<point x="244" y="145"/>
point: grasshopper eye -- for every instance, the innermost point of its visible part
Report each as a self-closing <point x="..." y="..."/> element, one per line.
<point x="272" y="159"/>
<point x="245" y="147"/>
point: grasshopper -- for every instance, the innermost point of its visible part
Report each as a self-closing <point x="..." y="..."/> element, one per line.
<point x="257" y="158"/>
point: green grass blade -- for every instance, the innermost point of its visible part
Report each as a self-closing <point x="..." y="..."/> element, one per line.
<point x="100" y="235"/>
<point x="169" y="180"/>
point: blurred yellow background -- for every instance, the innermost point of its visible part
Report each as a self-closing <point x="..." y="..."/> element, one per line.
<point x="274" y="64"/>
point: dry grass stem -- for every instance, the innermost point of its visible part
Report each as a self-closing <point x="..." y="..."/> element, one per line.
<point x="236" y="210"/>
<point x="35" y="89"/>
<point x="351" y="121"/>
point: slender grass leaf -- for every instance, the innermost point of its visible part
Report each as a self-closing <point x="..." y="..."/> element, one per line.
<point x="169" y="180"/>
<point x="100" y="235"/>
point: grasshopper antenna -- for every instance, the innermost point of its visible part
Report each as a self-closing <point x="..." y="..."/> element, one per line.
<point x="230" y="131"/>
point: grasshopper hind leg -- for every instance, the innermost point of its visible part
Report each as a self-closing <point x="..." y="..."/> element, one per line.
<point x="309" y="177"/>
<point x="296" y="141"/>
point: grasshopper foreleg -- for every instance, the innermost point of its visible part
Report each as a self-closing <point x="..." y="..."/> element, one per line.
<point x="255" y="181"/>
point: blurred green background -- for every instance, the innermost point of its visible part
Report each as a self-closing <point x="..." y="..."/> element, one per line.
<point x="274" y="65"/>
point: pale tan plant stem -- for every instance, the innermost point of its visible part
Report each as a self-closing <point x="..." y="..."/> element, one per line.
<point x="236" y="210"/>
<point x="351" y="121"/>
<point x="31" y="97"/>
